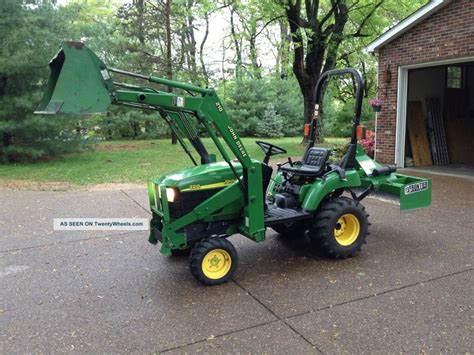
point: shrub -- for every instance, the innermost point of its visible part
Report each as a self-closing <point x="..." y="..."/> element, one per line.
<point x="271" y="125"/>
<point x="131" y="123"/>
<point x="247" y="100"/>
<point x="369" y="144"/>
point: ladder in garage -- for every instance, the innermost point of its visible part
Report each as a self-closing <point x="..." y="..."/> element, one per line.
<point x="436" y="131"/>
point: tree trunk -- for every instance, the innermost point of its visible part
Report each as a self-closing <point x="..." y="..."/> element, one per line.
<point x="7" y="139"/>
<point x="135" y="128"/>
<point x="309" y="100"/>
<point x="3" y="85"/>
<point x="238" y="51"/>
<point x="191" y="40"/>
<point x="184" y="51"/>
<point x="254" y="58"/>
<point x="169" y="63"/>
<point x="283" y="53"/>
<point x="201" y="51"/>
<point x="141" y="10"/>
<point x="223" y="70"/>
<point x="321" y="46"/>
<point x="253" y="54"/>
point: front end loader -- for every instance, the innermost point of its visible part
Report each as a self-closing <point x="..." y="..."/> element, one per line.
<point x="195" y="209"/>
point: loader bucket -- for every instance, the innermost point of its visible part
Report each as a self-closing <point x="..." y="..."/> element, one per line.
<point x="79" y="82"/>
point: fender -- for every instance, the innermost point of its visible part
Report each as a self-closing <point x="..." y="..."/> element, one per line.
<point x="323" y="187"/>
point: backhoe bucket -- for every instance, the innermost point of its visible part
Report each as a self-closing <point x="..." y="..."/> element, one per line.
<point x="79" y="82"/>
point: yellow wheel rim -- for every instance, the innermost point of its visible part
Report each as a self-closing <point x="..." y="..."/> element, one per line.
<point x="347" y="229"/>
<point x="216" y="264"/>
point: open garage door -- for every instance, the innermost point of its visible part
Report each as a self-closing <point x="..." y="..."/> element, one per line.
<point x="440" y="117"/>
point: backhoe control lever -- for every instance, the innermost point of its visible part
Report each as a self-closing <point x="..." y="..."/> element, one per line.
<point x="290" y="161"/>
<point x="385" y="170"/>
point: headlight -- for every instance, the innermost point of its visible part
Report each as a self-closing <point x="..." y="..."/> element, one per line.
<point x="170" y="194"/>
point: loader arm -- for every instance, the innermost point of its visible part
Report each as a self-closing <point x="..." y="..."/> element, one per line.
<point x="211" y="113"/>
<point x="80" y="83"/>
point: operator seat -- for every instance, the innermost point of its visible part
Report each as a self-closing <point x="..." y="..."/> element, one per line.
<point x="313" y="163"/>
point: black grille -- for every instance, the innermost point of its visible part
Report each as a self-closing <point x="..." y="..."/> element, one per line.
<point x="187" y="201"/>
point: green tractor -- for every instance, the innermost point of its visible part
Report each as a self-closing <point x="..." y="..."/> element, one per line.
<point x="194" y="210"/>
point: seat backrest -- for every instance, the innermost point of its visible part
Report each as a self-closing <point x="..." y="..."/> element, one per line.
<point x="316" y="157"/>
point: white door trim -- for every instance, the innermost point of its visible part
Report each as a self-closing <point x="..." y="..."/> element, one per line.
<point x="402" y="95"/>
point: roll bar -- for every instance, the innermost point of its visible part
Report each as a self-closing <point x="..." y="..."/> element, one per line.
<point x="358" y="104"/>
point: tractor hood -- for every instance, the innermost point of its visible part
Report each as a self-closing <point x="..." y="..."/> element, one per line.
<point x="201" y="177"/>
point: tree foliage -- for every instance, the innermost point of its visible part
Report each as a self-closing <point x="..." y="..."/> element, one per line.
<point x="272" y="53"/>
<point x="248" y="100"/>
<point x="30" y="33"/>
<point x="326" y="34"/>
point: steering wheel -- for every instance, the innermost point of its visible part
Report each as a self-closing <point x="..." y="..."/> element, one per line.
<point x="269" y="150"/>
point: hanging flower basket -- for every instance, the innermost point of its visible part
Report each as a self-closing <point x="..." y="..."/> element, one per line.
<point x="376" y="104"/>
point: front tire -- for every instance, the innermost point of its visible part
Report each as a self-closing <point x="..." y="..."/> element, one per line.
<point x="213" y="261"/>
<point x="340" y="227"/>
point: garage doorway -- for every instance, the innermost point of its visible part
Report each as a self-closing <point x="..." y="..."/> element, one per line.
<point x="435" y="117"/>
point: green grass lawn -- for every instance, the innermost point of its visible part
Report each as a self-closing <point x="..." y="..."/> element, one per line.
<point x="131" y="161"/>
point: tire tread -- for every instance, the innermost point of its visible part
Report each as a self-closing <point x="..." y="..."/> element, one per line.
<point x="201" y="249"/>
<point x="321" y="232"/>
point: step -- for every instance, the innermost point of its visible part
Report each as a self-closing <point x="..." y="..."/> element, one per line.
<point x="276" y="215"/>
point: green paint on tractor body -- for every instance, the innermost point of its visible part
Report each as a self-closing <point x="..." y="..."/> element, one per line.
<point x="201" y="177"/>
<point x="193" y="206"/>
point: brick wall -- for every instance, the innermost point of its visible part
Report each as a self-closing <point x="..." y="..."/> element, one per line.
<point x="447" y="34"/>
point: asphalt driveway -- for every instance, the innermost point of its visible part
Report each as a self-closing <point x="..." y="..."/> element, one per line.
<point x="410" y="290"/>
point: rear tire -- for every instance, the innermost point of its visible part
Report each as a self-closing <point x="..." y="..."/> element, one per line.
<point x="340" y="227"/>
<point x="213" y="261"/>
